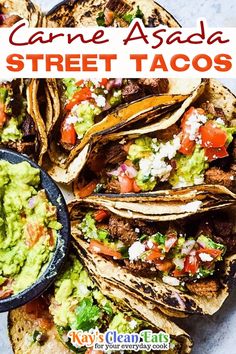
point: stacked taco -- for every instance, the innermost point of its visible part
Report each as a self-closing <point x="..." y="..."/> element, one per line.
<point x="184" y="265"/>
<point x="79" y="301"/>
<point x="21" y="125"/>
<point x="89" y="108"/>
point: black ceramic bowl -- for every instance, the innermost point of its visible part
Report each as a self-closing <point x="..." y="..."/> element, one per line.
<point x="56" y="198"/>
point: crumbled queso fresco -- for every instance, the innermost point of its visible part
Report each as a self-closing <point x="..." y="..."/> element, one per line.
<point x="155" y="165"/>
<point x="136" y="250"/>
<point x="193" y="124"/>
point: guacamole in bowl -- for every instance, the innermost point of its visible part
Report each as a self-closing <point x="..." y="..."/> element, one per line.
<point x="34" y="230"/>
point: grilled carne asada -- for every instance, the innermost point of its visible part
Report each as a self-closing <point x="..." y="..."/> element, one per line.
<point x="186" y="254"/>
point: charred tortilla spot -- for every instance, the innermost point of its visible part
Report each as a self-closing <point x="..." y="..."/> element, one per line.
<point x="70" y="22"/>
<point x="30" y="6"/>
<point x="87" y="14"/>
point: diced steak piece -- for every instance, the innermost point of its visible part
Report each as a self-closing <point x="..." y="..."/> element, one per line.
<point x="141" y="268"/>
<point x="154" y="86"/>
<point x="102" y="226"/>
<point x="168" y="134"/>
<point x="204" y="287"/>
<point x="118" y="6"/>
<point x="144" y="228"/>
<point x="223" y="225"/>
<point x="114" y="154"/>
<point x="121" y="229"/>
<point x="205" y="228"/>
<point x="216" y="112"/>
<point x="28" y="127"/>
<point x="132" y="91"/>
<point x="9" y="21"/>
<point x="217" y="176"/>
<point x="113" y="186"/>
<point x="229" y="242"/>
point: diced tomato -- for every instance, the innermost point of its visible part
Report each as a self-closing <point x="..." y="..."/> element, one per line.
<point x="45" y="323"/>
<point x="83" y="94"/>
<point x="164" y="266"/>
<point x="153" y="254"/>
<point x="178" y="273"/>
<point x="109" y="16"/>
<point x="79" y="83"/>
<point x="68" y="134"/>
<point x="215" y="253"/>
<point x="191" y="264"/>
<point x="212" y="136"/>
<point x="99" y="248"/>
<point x="34" y="232"/>
<point x="103" y="82"/>
<point x="187" y="145"/>
<point x="186" y="116"/>
<point x="126" y="184"/>
<point x="136" y="187"/>
<point x="5" y="293"/>
<point x="3" y="116"/>
<point x="100" y="215"/>
<point x="86" y="190"/>
<point x="216" y="153"/>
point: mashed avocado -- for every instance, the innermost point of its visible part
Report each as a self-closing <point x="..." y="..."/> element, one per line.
<point x="10" y="131"/>
<point x="28" y="227"/>
<point x="89" y="229"/>
<point x="79" y="304"/>
<point x="189" y="169"/>
<point x="86" y="113"/>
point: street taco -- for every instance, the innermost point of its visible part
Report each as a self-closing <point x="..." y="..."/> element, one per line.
<point x="186" y="265"/>
<point x="117" y="13"/>
<point x="13" y="11"/>
<point x="195" y="146"/>
<point x="90" y="109"/>
<point x="76" y="302"/>
<point x="21" y="125"/>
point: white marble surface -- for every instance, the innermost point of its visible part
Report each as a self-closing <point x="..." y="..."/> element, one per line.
<point x="216" y="334"/>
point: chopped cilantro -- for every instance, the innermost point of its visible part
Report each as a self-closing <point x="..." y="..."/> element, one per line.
<point x="159" y="238"/>
<point x="101" y="19"/>
<point x="87" y="315"/>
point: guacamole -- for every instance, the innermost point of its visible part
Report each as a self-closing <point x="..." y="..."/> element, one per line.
<point x="28" y="227"/>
